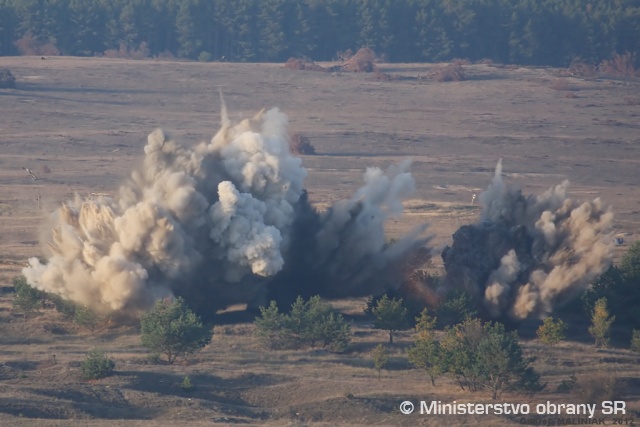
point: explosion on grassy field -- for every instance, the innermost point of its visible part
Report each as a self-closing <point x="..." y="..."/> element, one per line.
<point x="221" y="223"/>
<point x="528" y="254"/>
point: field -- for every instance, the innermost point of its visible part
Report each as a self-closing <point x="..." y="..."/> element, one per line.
<point x="80" y="125"/>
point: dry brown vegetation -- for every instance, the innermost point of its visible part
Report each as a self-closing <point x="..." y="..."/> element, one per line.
<point x="301" y="144"/>
<point x="303" y="64"/>
<point x="450" y="73"/>
<point x="86" y="120"/>
<point x="620" y="65"/>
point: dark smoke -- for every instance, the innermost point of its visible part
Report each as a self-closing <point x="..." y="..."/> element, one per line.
<point x="528" y="254"/>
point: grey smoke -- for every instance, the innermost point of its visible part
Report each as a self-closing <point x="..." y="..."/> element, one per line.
<point x="528" y="254"/>
<point x="224" y="222"/>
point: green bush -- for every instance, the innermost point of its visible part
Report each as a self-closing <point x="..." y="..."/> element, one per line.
<point x="26" y="299"/>
<point x="172" y="329"/>
<point x="86" y="318"/>
<point x="204" y="56"/>
<point x="186" y="384"/>
<point x="486" y="357"/>
<point x="97" y="365"/>
<point x="309" y="323"/>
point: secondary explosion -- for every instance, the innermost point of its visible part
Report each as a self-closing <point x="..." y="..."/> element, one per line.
<point x="221" y="223"/>
<point x="529" y="254"/>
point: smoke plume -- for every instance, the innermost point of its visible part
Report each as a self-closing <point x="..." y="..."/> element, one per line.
<point x="529" y="254"/>
<point x="224" y="222"/>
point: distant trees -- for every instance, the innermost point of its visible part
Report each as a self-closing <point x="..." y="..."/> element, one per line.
<point x="172" y="329"/>
<point x="546" y="33"/>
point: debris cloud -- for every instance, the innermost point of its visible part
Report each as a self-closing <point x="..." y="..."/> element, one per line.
<point x="226" y="221"/>
<point x="528" y="254"/>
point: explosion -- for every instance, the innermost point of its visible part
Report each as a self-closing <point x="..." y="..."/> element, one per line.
<point x="221" y="223"/>
<point x="229" y="221"/>
<point x="527" y="255"/>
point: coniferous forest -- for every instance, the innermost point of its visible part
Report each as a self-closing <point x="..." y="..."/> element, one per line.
<point x="540" y="32"/>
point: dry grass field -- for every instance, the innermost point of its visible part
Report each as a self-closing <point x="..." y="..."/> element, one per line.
<point x="80" y="124"/>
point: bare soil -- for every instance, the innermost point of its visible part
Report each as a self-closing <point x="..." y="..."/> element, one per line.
<point x="79" y="124"/>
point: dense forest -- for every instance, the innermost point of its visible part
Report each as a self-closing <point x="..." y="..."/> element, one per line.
<point x="543" y="32"/>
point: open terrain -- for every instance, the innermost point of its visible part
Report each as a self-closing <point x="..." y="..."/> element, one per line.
<point x="80" y="125"/>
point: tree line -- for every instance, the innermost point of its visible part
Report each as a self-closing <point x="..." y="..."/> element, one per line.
<point x="546" y="32"/>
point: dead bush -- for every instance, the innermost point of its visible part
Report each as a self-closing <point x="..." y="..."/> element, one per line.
<point x="30" y="45"/>
<point x="460" y="61"/>
<point x="125" y="52"/>
<point x="581" y="68"/>
<point x="362" y="62"/>
<point x="383" y="77"/>
<point x="301" y="145"/>
<point x="303" y="64"/>
<point x="7" y="80"/>
<point x="620" y="65"/>
<point x="561" y="84"/>
<point x="450" y="73"/>
<point x="598" y="387"/>
<point x="344" y="56"/>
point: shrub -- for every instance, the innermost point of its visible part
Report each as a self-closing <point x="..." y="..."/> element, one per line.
<point x="487" y="357"/>
<point x="97" y="365"/>
<point x="86" y="318"/>
<point x="600" y="328"/>
<point x="425" y="352"/>
<point x="391" y="315"/>
<point x="551" y="332"/>
<point x="309" y="323"/>
<point x="172" y="329"/>
<point x="204" y="56"/>
<point x="380" y="358"/>
<point x="26" y="298"/>
<point x="186" y="384"/>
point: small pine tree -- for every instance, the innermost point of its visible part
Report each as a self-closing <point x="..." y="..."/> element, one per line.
<point x="600" y="328"/>
<point x="380" y="358"/>
<point x="425" y="351"/>
<point x="97" y="365"/>
<point x="391" y="315"/>
<point x="172" y="329"/>
<point x="551" y="332"/>
<point x="270" y="327"/>
<point x="635" y="340"/>
<point x="186" y="384"/>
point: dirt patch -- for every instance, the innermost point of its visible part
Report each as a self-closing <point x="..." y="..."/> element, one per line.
<point x="303" y="64"/>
